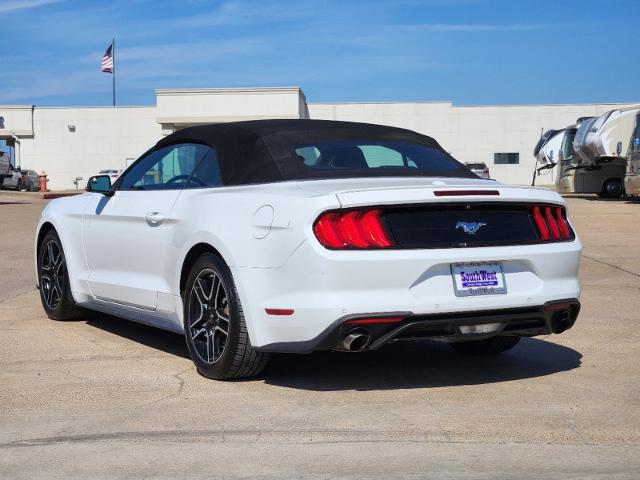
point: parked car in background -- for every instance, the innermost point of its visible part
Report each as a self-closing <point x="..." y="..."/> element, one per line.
<point x="9" y="176"/>
<point x="113" y="173"/>
<point x="479" y="168"/>
<point x="303" y="235"/>
<point x="29" y="180"/>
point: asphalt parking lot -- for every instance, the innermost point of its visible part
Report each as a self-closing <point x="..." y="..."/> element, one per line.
<point x="109" y="398"/>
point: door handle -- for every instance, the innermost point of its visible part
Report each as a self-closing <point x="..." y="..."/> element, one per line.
<point x="154" y="219"/>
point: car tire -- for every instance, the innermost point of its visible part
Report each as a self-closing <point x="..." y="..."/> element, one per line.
<point x="215" y="328"/>
<point x="612" y="188"/>
<point x="487" y="346"/>
<point x="53" y="280"/>
<point x="19" y="186"/>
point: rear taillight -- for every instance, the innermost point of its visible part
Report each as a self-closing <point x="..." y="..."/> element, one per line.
<point x="551" y="223"/>
<point x="357" y="229"/>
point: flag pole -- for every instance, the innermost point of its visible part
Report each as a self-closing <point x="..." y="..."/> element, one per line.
<point x="113" y="69"/>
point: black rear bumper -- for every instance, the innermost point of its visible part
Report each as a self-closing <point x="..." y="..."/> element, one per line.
<point x="555" y="317"/>
<point x="552" y="317"/>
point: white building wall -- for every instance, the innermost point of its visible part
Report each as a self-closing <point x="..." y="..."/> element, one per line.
<point x="103" y="138"/>
<point x="16" y="120"/>
<point x="213" y="105"/>
<point x="471" y="134"/>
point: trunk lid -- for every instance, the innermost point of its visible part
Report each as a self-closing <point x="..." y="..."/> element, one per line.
<point x="445" y="212"/>
<point x="356" y="192"/>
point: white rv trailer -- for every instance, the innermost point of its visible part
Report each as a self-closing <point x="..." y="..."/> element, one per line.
<point x="580" y="154"/>
<point x="577" y="176"/>
<point x="547" y="150"/>
<point x="632" y="180"/>
<point x="607" y="137"/>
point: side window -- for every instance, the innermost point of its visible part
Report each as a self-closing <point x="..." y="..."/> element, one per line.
<point x="566" y="149"/>
<point x="506" y="158"/>
<point x="207" y="171"/>
<point x="169" y="168"/>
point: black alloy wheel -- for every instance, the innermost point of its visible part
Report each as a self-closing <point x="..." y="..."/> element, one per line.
<point x="214" y="324"/>
<point x="52" y="274"/>
<point x="209" y="316"/>
<point x="53" y="280"/>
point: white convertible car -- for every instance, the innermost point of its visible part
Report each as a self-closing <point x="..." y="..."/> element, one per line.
<point x="302" y="235"/>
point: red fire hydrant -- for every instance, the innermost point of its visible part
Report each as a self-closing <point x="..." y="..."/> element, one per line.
<point x="42" y="181"/>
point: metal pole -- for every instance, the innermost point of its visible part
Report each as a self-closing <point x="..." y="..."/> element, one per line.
<point x="535" y="167"/>
<point x="15" y="150"/>
<point x="113" y="69"/>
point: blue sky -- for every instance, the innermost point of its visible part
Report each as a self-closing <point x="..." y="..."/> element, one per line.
<point x="466" y="51"/>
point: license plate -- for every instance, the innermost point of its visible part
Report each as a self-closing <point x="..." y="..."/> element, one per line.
<point x="481" y="278"/>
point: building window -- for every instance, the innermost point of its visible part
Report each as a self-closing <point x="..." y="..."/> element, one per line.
<point x="506" y="158"/>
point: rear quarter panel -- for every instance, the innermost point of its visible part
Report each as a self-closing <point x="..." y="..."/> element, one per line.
<point x="252" y="226"/>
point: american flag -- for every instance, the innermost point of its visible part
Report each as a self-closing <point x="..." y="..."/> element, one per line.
<point x="107" y="60"/>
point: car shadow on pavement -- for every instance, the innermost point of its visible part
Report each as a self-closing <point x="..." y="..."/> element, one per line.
<point x="417" y="365"/>
<point x="399" y="365"/>
<point x="153" y="337"/>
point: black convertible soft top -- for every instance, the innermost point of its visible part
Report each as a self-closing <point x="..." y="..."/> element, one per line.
<point x="263" y="151"/>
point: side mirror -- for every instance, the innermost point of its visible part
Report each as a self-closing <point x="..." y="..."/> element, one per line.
<point x="100" y="184"/>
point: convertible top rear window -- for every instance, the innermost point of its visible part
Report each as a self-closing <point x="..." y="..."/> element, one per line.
<point x="394" y="157"/>
<point x="267" y="151"/>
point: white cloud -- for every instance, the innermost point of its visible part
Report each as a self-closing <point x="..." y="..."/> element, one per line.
<point x="16" y="5"/>
<point x="469" y="27"/>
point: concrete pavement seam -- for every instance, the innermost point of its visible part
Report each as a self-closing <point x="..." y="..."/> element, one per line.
<point x="611" y="265"/>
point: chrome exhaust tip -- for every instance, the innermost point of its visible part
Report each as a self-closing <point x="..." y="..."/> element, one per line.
<point x="561" y="322"/>
<point x="356" y="340"/>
